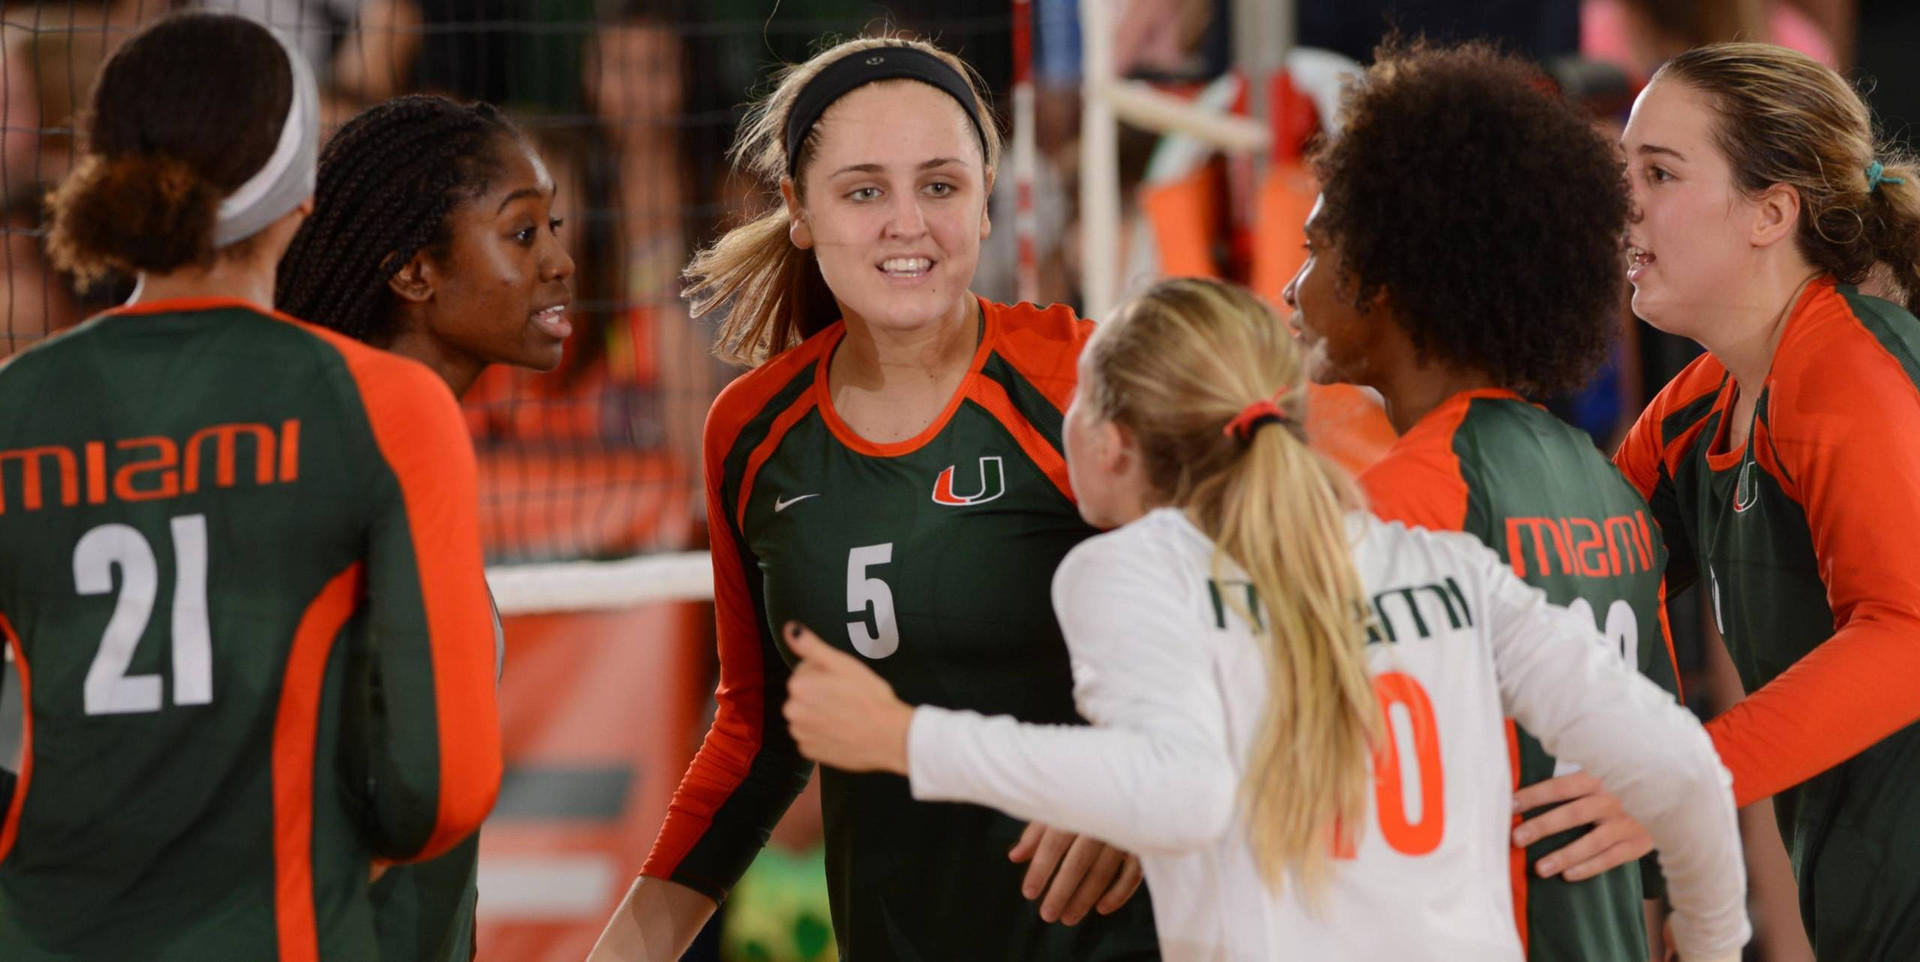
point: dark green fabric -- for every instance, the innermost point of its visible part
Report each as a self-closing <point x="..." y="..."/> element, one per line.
<point x="1519" y="463"/>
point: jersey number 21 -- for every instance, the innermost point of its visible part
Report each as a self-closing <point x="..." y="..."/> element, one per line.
<point x="109" y="690"/>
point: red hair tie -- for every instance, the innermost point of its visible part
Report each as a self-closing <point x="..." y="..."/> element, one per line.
<point x="1252" y="417"/>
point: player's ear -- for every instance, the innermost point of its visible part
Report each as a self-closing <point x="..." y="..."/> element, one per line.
<point x="415" y="280"/>
<point x="1116" y="447"/>
<point x="798" y="230"/>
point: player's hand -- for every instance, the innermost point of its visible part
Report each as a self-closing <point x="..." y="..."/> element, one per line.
<point x="840" y="713"/>
<point x="1076" y="872"/>
<point x="1616" y="838"/>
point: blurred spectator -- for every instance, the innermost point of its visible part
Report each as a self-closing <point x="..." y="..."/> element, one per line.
<point x="38" y="301"/>
<point x="1639" y="35"/>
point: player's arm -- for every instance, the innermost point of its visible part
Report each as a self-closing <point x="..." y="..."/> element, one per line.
<point x="746" y="773"/>
<point x="1557" y="679"/>
<point x="1153" y="774"/>
<point x="432" y="741"/>
<point x="1849" y="441"/>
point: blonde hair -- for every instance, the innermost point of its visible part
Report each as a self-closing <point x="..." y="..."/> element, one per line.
<point x="1785" y="118"/>
<point x="772" y="291"/>
<point x="1173" y="367"/>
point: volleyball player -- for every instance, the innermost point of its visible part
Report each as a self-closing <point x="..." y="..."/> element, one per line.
<point x="1246" y="640"/>
<point x="1455" y="337"/>
<point x="433" y="237"/>
<point x="1781" y="464"/>
<point x="215" y="520"/>
<point x="890" y="468"/>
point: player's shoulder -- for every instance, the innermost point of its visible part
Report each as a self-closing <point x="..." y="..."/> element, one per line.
<point x="774" y="383"/>
<point x="1391" y="554"/>
<point x="1161" y="547"/>
<point x="1845" y="345"/>
<point x="1042" y="344"/>
<point x="1687" y="399"/>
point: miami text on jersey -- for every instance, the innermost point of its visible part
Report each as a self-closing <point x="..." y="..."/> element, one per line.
<point x="1583" y="547"/>
<point x="149" y="468"/>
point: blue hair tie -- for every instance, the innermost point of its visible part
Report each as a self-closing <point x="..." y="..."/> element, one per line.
<point x="1876" y="176"/>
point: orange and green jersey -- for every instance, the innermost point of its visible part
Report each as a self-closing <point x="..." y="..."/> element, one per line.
<point x="1537" y="491"/>
<point x="1804" y="539"/>
<point x="240" y="578"/>
<point x="932" y="559"/>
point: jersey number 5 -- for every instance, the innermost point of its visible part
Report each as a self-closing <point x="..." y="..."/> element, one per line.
<point x="109" y="690"/>
<point x="869" y="597"/>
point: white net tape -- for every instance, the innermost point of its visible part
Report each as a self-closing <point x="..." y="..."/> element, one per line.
<point x="601" y="585"/>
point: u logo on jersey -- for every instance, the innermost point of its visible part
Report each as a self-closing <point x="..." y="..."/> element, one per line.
<point x="993" y="483"/>
<point x="1744" y="488"/>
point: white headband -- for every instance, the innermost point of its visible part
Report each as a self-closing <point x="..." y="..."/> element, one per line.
<point x="287" y="178"/>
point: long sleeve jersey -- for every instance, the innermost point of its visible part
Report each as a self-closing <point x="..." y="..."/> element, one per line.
<point x="218" y="527"/>
<point x="1802" y="539"/>
<point x="1174" y="682"/>
<point x="1535" y="490"/>
<point x="929" y="558"/>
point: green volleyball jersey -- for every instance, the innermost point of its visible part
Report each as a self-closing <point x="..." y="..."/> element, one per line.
<point x="240" y="575"/>
<point x="931" y="559"/>
<point x="1536" y="490"/>
<point x="1802" y="539"/>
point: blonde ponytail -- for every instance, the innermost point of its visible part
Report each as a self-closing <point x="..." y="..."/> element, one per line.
<point x="771" y="292"/>
<point x="1174" y="367"/>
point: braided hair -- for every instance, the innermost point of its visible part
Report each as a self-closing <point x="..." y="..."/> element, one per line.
<point x="389" y="182"/>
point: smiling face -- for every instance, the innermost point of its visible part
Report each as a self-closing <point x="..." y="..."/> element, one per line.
<point x="1689" y="237"/>
<point x="893" y="203"/>
<point x="501" y="293"/>
<point x="1337" y="338"/>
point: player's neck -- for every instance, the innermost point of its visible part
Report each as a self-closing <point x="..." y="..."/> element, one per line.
<point x="876" y="358"/>
<point x="456" y="367"/>
<point x="1746" y="336"/>
<point x="243" y="280"/>
<point x="1414" y="386"/>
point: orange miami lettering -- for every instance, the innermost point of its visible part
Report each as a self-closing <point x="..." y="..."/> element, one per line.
<point x="1581" y="547"/>
<point x="147" y="468"/>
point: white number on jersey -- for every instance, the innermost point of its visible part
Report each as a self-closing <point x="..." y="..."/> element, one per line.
<point x="871" y="596"/>
<point x="109" y="690"/>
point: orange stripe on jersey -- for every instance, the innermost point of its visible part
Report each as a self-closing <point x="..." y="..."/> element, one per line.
<point x="10" y="828"/>
<point x="778" y="432"/>
<point x="1666" y="632"/>
<point x="423" y="439"/>
<point x="295" y="729"/>
<point x="988" y="393"/>
<point x="1517" y="855"/>
<point x="1645" y="449"/>
<point x="1843" y="414"/>
<point x="1043" y="344"/>
<point x="1419" y="483"/>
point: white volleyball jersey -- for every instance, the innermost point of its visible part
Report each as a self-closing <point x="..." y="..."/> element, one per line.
<point x="1175" y="685"/>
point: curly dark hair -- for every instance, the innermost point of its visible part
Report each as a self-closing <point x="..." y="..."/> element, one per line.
<point x="181" y="116"/>
<point x="1489" y="212"/>
<point x="388" y="182"/>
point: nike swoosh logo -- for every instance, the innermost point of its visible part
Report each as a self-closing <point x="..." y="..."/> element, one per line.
<point x="782" y="504"/>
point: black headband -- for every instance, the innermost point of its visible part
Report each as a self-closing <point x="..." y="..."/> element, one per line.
<point x="863" y="67"/>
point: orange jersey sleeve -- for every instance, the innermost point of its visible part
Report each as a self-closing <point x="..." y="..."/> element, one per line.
<point x="1843" y="436"/>
<point x="429" y="613"/>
